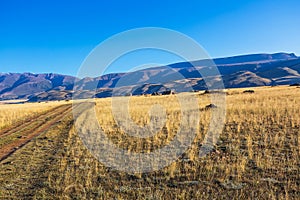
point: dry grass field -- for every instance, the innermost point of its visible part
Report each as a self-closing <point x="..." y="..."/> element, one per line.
<point x="256" y="156"/>
<point x="13" y="113"/>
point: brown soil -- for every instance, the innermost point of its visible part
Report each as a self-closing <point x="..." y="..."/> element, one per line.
<point x="31" y="128"/>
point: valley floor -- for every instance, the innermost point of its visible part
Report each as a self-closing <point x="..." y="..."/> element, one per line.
<point x="257" y="155"/>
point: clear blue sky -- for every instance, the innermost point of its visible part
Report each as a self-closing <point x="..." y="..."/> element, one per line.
<point x="55" y="36"/>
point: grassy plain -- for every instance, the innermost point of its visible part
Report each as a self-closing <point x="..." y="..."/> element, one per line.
<point x="256" y="157"/>
<point x="12" y="113"/>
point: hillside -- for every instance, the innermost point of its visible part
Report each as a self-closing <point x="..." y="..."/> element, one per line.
<point x="238" y="71"/>
<point x="22" y="85"/>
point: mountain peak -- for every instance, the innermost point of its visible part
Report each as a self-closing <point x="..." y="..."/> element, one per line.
<point x="279" y="56"/>
<point x="255" y="58"/>
<point x="238" y="71"/>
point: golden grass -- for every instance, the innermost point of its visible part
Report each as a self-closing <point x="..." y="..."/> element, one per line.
<point x="256" y="156"/>
<point x="11" y="113"/>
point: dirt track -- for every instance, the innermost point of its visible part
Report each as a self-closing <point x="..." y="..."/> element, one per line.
<point x="19" y="135"/>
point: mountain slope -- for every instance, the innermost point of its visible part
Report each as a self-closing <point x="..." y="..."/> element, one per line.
<point x="238" y="71"/>
<point x="17" y="85"/>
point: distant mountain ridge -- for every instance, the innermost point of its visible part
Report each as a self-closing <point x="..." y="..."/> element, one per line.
<point x="21" y="85"/>
<point x="255" y="58"/>
<point x="237" y="71"/>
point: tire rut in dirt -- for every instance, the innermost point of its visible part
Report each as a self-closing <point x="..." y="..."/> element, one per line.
<point x="44" y="122"/>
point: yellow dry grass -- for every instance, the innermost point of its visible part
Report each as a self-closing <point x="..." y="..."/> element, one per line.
<point x="256" y="157"/>
<point x="11" y="113"/>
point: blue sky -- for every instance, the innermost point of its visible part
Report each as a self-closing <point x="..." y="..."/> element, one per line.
<point x="56" y="36"/>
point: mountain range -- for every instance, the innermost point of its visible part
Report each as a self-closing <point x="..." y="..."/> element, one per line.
<point x="235" y="72"/>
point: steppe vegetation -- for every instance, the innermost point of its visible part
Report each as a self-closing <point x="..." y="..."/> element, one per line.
<point x="256" y="157"/>
<point x="12" y="113"/>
